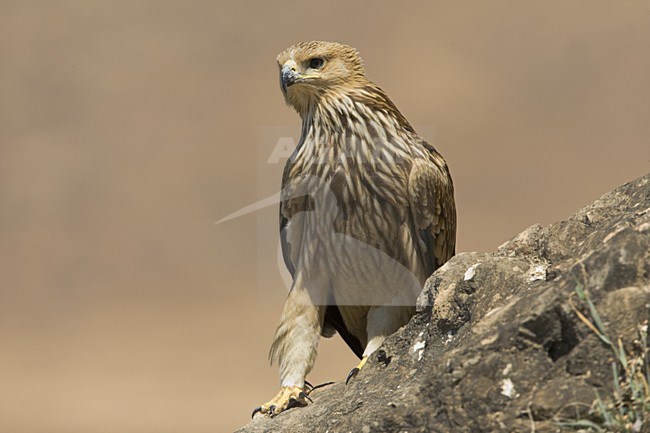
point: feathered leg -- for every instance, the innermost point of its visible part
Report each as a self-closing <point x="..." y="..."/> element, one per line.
<point x="294" y="346"/>
<point x="382" y="322"/>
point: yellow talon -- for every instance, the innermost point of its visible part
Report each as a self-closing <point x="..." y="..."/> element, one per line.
<point x="282" y="400"/>
<point x="355" y="370"/>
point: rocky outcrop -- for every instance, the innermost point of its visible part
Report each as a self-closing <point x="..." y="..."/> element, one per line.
<point x="496" y="344"/>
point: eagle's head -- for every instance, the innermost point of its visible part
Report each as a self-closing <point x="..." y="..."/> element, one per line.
<point x="309" y="70"/>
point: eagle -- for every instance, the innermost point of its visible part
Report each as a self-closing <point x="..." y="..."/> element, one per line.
<point x="367" y="214"/>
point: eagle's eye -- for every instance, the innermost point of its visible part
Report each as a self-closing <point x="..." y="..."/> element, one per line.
<point x="316" y="63"/>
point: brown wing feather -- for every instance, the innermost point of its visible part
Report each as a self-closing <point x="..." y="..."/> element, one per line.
<point x="431" y="197"/>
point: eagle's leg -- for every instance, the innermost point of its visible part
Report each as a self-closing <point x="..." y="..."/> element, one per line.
<point x="294" y="347"/>
<point x="382" y="321"/>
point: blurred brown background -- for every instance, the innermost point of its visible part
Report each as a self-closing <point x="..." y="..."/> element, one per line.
<point x="127" y="128"/>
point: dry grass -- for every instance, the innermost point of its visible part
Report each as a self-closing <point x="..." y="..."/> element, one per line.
<point x="627" y="408"/>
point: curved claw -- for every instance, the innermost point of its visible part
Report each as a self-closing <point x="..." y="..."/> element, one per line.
<point x="304" y="395"/>
<point x="322" y="385"/>
<point x="287" y="398"/>
<point x="356" y="369"/>
<point x="353" y="373"/>
<point x="258" y="409"/>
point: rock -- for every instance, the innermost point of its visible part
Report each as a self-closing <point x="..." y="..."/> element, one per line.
<point x="495" y="344"/>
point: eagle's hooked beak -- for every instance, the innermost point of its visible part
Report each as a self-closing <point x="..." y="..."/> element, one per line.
<point x="288" y="76"/>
